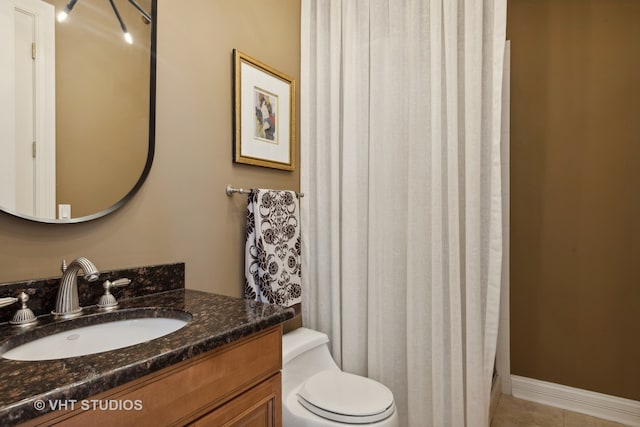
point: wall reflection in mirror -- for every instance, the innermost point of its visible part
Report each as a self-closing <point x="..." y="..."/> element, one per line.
<point x="77" y="93"/>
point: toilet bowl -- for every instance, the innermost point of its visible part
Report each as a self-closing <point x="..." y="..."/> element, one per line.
<point x="316" y="393"/>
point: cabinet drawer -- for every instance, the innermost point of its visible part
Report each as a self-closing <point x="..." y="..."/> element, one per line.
<point x="184" y="392"/>
<point x="257" y="407"/>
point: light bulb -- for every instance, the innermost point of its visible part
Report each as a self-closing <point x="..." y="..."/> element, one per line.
<point x="62" y="16"/>
<point x="128" y="38"/>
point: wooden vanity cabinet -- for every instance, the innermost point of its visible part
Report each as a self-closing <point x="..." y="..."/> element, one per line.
<point x="238" y="384"/>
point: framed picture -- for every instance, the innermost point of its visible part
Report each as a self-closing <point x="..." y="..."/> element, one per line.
<point x="264" y="114"/>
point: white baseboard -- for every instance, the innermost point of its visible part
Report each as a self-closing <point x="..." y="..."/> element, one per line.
<point x="599" y="405"/>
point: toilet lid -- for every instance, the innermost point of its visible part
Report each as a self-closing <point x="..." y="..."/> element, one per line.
<point x="343" y="397"/>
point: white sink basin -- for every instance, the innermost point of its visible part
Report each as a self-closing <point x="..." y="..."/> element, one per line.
<point x="95" y="338"/>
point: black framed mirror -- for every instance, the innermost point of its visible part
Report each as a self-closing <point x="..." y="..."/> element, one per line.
<point x="77" y="137"/>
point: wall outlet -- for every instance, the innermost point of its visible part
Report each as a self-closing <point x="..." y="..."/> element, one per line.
<point x="64" y="211"/>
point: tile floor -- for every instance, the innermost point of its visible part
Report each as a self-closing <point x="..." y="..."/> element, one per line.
<point x="512" y="412"/>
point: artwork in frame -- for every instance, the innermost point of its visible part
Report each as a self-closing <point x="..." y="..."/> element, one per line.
<point x="264" y="114"/>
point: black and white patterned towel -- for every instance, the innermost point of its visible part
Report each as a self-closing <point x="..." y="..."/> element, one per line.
<point x="272" y="252"/>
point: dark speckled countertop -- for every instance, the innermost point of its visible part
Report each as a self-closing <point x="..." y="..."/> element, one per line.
<point x="217" y="320"/>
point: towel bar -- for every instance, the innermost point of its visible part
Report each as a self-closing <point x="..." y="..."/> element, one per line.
<point x="230" y="190"/>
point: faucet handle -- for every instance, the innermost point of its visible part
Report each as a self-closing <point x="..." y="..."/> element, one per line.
<point x="108" y="301"/>
<point x="116" y="283"/>
<point x="24" y="316"/>
<point x="7" y="301"/>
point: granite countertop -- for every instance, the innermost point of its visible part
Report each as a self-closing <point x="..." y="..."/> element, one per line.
<point x="217" y="320"/>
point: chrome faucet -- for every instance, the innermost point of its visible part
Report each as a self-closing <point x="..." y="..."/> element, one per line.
<point x="67" y="303"/>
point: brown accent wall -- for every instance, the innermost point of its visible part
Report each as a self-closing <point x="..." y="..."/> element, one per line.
<point x="575" y="193"/>
<point x="182" y="212"/>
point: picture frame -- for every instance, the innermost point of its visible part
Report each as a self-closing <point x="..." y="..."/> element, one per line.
<point x="264" y="115"/>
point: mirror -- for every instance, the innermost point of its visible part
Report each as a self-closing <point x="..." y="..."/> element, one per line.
<point x="77" y="106"/>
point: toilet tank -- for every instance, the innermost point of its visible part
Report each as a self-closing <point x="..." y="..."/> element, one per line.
<point x="300" y="341"/>
<point x="304" y="353"/>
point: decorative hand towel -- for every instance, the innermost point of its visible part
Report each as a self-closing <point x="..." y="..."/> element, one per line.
<point x="272" y="252"/>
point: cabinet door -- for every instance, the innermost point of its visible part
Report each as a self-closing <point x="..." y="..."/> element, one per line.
<point x="189" y="391"/>
<point x="257" y="407"/>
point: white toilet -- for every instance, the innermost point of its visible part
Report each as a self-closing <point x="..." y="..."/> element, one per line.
<point x="316" y="393"/>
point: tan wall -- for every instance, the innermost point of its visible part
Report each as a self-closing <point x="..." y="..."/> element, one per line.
<point x="575" y="193"/>
<point x="182" y="212"/>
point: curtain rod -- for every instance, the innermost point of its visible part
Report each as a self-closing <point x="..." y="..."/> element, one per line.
<point x="230" y="190"/>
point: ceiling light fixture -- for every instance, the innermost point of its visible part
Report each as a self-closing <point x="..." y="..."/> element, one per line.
<point x="127" y="36"/>
<point x="62" y="16"/>
<point x="141" y="10"/>
<point x="67" y="10"/>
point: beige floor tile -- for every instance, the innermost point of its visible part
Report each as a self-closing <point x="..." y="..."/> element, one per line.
<point x="572" y="419"/>
<point x="512" y="412"/>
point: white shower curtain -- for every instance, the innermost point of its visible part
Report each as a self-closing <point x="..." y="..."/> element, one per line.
<point x="401" y="219"/>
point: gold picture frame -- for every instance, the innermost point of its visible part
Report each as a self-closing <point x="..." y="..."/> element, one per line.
<point x="264" y="115"/>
